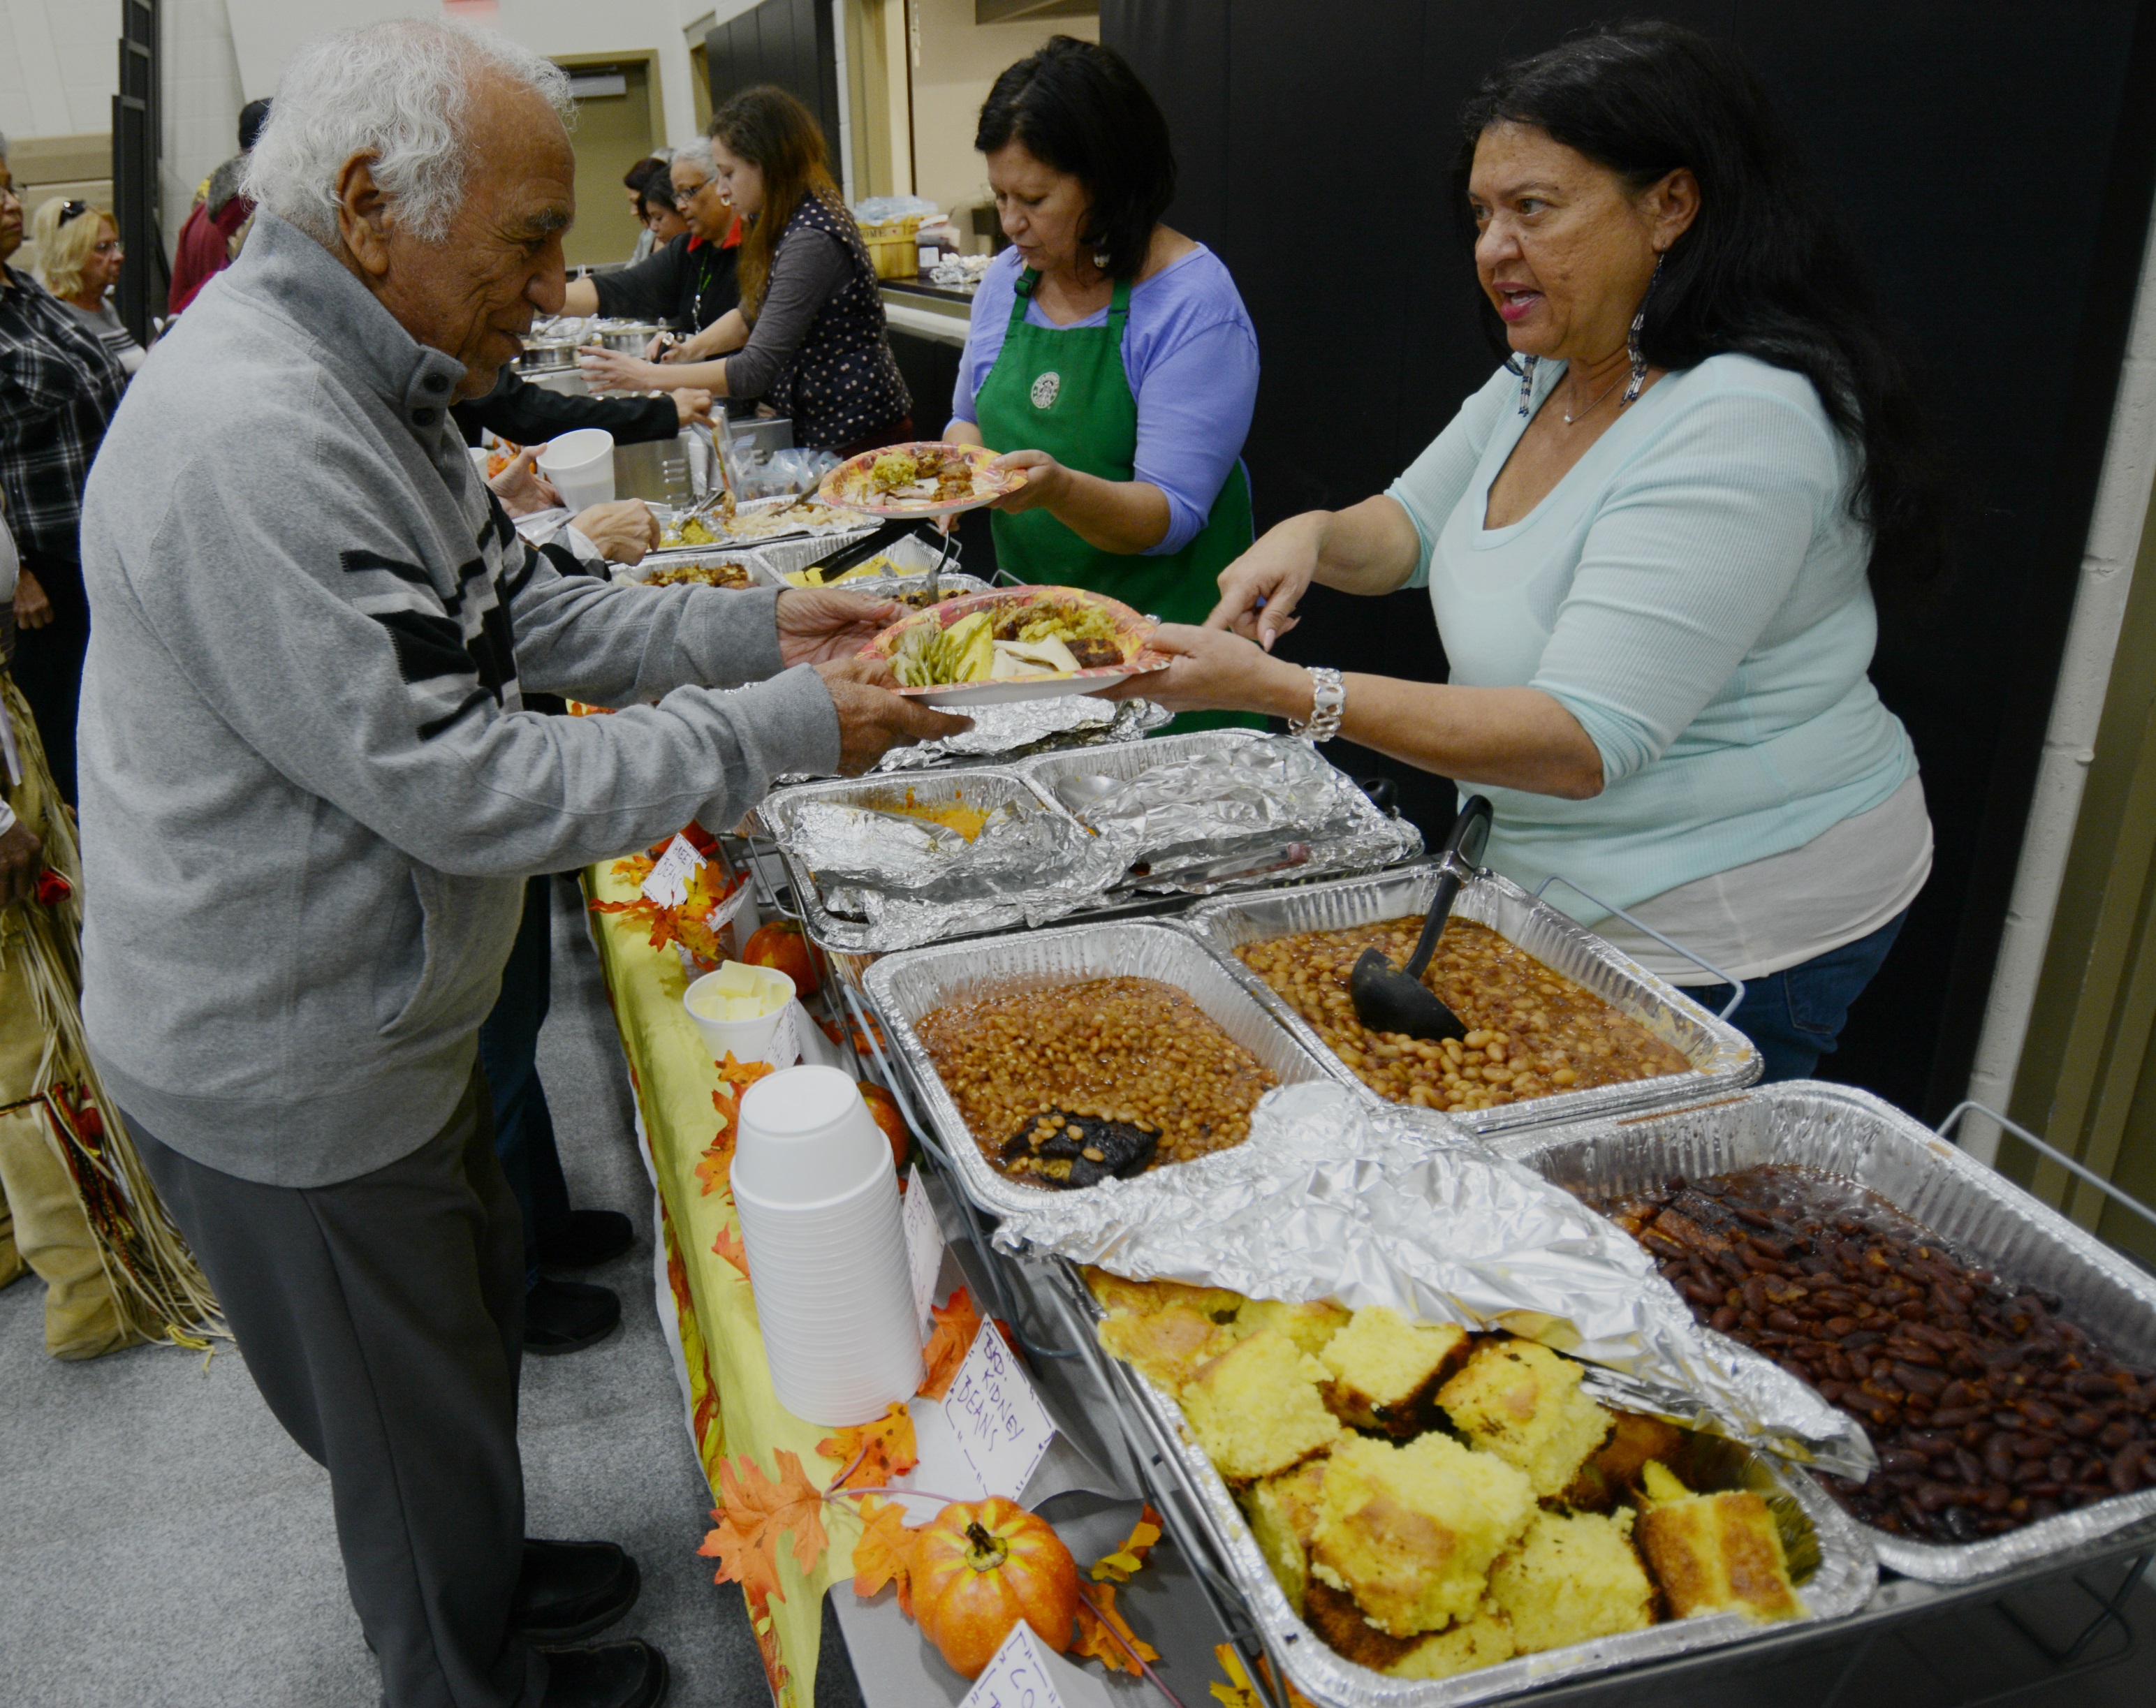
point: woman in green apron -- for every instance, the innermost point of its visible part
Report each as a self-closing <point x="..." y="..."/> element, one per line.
<point x="1109" y="357"/>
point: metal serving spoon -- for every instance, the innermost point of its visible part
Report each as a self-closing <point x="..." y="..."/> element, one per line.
<point x="1389" y="1000"/>
<point x="1087" y="789"/>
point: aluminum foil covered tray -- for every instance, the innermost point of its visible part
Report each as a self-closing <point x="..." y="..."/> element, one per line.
<point x="1723" y="1058"/>
<point x="905" y="987"/>
<point x="1977" y="1214"/>
<point x="1226" y="809"/>
<point x="1834" y="1571"/>
<point x="871" y="881"/>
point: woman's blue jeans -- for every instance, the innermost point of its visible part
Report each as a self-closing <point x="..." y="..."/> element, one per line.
<point x="1795" y="1016"/>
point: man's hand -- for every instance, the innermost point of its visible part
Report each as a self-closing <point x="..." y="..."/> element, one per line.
<point x="872" y="720"/>
<point x="19" y="862"/>
<point x="816" y="624"/>
<point x="692" y="407"/>
<point x="522" y="489"/>
<point x="33" y="609"/>
<point x="624" y="531"/>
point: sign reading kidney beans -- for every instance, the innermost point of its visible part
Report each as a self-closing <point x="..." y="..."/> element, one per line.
<point x="1988" y="1413"/>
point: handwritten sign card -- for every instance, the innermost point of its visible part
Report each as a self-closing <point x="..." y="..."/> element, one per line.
<point x="924" y="1246"/>
<point x="669" y="883"/>
<point x="1000" y="1423"/>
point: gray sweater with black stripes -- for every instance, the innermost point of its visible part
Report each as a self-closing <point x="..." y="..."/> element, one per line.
<point x="310" y="792"/>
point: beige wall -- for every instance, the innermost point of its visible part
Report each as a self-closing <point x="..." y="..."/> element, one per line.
<point x="958" y="60"/>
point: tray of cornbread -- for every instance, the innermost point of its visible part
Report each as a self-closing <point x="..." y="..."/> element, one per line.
<point x="1051" y="1060"/>
<point x="1420" y="1514"/>
<point x="2001" y="1360"/>
<point x="1562" y="1027"/>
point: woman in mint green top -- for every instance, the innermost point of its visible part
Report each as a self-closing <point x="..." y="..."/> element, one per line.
<point x="1649" y="543"/>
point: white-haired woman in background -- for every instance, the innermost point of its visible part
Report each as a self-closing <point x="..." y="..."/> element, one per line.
<point x="79" y="257"/>
<point x="689" y="281"/>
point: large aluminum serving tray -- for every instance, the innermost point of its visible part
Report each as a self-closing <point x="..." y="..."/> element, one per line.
<point x="1333" y="854"/>
<point x="1981" y="1214"/>
<point x="1723" y="1058"/>
<point x="1833" y="1569"/>
<point x="983" y="786"/>
<point x="908" y="985"/>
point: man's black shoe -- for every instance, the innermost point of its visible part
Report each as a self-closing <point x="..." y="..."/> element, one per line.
<point x="630" y="1674"/>
<point x="589" y="1237"/>
<point x="566" y="1591"/>
<point x="566" y="1316"/>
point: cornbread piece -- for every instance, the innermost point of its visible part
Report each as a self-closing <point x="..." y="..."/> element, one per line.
<point x="1571" y="1578"/>
<point x="1714" y="1553"/>
<point x="1283" y="1515"/>
<point x="1312" y="1326"/>
<point x="1255" y="1409"/>
<point x="1385" y="1369"/>
<point x="1467" y="1646"/>
<point x="1409" y="1532"/>
<point x="1615" y="1467"/>
<point x="1333" y="1614"/>
<point x="1169" y="1346"/>
<point x="1522" y="1402"/>
<point x="1139" y="1297"/>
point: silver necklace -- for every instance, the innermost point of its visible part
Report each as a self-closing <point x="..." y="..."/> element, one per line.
<point x="1569" y="418"/>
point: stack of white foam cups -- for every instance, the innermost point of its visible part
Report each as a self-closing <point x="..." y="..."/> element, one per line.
<point x="813" y="1179"/>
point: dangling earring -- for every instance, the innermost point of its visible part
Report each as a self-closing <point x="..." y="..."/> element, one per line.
<point x="1101" y="260"/>
<point x="1632" y="340"/>
<point x="1527" y="383"/>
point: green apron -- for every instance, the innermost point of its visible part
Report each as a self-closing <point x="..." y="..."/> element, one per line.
<point x="1064" y="390"/>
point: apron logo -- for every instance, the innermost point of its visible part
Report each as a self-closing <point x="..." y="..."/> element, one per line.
<point x="1045" y="387"/>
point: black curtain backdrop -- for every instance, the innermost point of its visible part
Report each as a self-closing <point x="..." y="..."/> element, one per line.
<point x="786" y="42"/>
<point x="1998" y="177"/>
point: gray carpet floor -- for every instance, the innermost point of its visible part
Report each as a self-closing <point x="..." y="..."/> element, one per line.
<point x="164" y="1544"/>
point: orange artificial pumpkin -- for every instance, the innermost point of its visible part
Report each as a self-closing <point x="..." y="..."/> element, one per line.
<point x="981" y="1566"/>
<point x="783" y="945"/>
<point x="885" y="1108"/>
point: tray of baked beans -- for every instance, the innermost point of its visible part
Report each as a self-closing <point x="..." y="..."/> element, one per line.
<point x="2002" y="1359"/>
<point x="1054" y="1060"/>
<point x="1561" y="1026"/>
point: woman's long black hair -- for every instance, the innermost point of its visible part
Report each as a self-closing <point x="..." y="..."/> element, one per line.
<point x="1766" y="269"/>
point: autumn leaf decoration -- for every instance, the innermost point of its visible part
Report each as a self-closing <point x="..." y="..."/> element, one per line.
<point x="1239" y="1692"/>
<point x="873" y="1453"/>
<point x="688" y="924"/>
<point x="1105" y="1635"/>
<point x="753" y="1513"/>
<point x="884" y="1553"/>
<point x="1119" y="1567"/>
<point x="735" y="1078"/>
<point x="957" y="1323"/>
<point x="728" y="1246"/>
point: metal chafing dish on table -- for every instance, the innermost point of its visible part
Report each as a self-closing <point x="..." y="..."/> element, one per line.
<point x="1978" y="1213"/>
<point x="1832" y="1568"/>
<point x="904" y="987"/>
<point x="1723" y="1058"/>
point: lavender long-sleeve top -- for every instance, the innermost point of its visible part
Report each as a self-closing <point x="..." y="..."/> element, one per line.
<point x="1191" y="354"/>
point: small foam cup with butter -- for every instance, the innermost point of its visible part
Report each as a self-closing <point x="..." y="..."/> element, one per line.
<point x="738" y="1007"/>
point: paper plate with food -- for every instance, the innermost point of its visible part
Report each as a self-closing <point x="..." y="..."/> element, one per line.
<point x="919" y="479"/>
<point x="1016" y="643"/>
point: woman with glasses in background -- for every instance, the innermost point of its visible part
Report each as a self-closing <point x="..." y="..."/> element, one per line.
<point x="79" y="257"/>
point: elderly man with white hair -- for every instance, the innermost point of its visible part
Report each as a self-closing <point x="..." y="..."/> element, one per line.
<point x="310" y="796"/>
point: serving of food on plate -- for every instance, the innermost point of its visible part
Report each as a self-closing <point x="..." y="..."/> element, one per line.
<point x="1016" y="643"/>
<point x="924" y="479"/>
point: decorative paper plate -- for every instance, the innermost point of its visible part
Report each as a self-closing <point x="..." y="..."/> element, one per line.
<point x="1130" y="632"/>
<point x="949" y="478"/>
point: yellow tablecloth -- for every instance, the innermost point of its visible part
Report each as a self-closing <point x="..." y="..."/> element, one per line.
<point x="736" y="1411"/>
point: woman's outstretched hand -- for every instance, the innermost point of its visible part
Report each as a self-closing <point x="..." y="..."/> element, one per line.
<point x="1211" y="670"/>
<point x="1042" y="473"/>
<point x="1260" y="590"/>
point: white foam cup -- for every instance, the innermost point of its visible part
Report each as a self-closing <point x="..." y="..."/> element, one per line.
<point x="581" y="466"/>
<point x="750" y="1040"/>
<point x="807" y="1140"/>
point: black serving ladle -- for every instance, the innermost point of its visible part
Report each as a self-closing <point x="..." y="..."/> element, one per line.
<point x="1389" y="1000"/>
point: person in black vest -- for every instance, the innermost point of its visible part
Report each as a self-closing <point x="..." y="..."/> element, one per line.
<point x="689" y="281"/>
<point x="809" y="339"/>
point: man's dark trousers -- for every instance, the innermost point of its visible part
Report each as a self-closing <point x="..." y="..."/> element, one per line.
<point x="381" y="1319"/>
